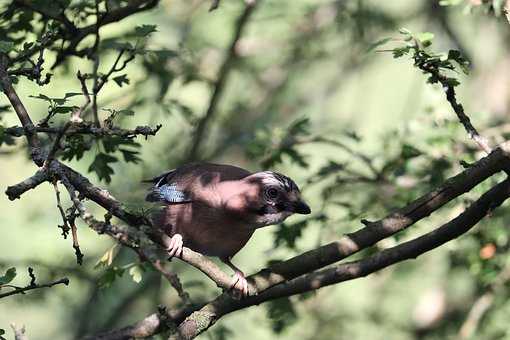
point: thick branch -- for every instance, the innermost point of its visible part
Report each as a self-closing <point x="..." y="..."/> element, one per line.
<point x="15" y="191"/>
<point x="152" y="324"/>
<point x="87" y="129"/>
<point x="391" y="224"/>
<point x="24" y="117"/>
<point x="47" y="13"/>
<point x="98" y="195"/>
<point x="76" y="35"/>
<point x="363" y="238"/>
<point x="201" y="320"/>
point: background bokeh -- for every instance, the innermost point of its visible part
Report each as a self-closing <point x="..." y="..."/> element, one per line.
<point x="296" y="60"/>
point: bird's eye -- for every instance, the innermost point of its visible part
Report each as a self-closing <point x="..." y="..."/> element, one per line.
<point x="272" y="193"/>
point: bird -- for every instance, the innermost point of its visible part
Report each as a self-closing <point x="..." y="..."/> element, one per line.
<point x="214" y="209"/>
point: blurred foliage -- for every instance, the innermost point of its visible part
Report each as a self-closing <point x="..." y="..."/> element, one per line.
<point x="308" y="94"/>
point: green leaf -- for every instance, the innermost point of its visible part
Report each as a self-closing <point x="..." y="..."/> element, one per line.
<point x="6" y="46"/>
<point x="282" y="314"/>
<point x="405" y="31"/>
<point x="72" y="94"/>
<point x="121" y="80"/>
<point x="75" y="147"/>
<point x="109" y="276"/>
<point x="27" y="45"/>
<point x="126" y="112"/>
<point x="452" y="82"/>
<point x="136" y="273"/>
<point x="331" y="168"/>
<point x="42" y="97"/>
<point x="409" y="151"/>
<point x="112" y="143"/>
<point x="288" y="234"/>
<point x="5" y="108"/>
<point x="221" y="333"/>
<point x="63" y="109"/>
<point x="459" y="59"/>
<point x="108" y="257"/>
<point x="145" y="30"/>
<point x="130" y="156"/>
<point x="101" y="166"/>
<point x="5" y="138"/>
<point x="378" y="43"/>
<point x="425" y="38"/>
<point x="401" y="51"/>
<point x="9" y="275"/>
<point x="116" y="45"/>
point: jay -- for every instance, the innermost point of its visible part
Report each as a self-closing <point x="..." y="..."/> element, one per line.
<point x="214" y="209"/>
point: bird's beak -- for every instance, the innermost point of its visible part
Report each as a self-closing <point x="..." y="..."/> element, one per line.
<point x="301" y="207"/>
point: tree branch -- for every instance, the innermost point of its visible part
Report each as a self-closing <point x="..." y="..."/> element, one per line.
<point x="61" y="17"/>
<point x="201" y="320"/>
<point x="398" y="220"/>
<point x="28" y="126"/>
<point x="15" y="191"/>
<point x="457" y="107"/>
<point x="22" y="290"/>
<point x="88" y="129"/>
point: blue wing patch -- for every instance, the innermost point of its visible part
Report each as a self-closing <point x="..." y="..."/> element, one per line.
<point x="168" y="193"/>
<point x="171" y="194"/>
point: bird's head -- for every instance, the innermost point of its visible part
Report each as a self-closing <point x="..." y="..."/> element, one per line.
<point x="277" y="197"/>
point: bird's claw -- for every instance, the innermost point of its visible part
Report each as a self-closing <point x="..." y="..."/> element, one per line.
<point x="175" y="246"/>
<point x="239" y="285"/>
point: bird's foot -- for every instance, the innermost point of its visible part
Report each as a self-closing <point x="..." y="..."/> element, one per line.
<point x="239" y="285"/>
<point x="175" y="246"/>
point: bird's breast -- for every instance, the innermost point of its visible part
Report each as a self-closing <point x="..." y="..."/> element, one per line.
<point x="208" y="229"/>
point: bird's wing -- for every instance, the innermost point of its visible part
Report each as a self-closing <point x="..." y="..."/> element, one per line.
<point x="177" y="186"/>
<point x="165" y="189"/>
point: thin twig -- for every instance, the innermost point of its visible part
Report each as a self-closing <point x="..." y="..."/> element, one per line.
<point x="464" y="119"/>
<point x="36" y="286"/>
<point x="77" y="115"/>
<point x="65" y="226"/>
<point x="71" y="217"/>
<point x="57" y="143"/>
<point x="173" y="279"/>
<point x="457" y="107"/>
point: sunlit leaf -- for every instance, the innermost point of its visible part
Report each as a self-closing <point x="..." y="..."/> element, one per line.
<point x="9" y="275"/>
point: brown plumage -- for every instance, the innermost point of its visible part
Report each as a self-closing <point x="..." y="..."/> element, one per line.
<point x="214" y="209"/>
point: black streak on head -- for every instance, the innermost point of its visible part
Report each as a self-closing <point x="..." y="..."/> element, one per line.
<point x="286" y="182"/>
